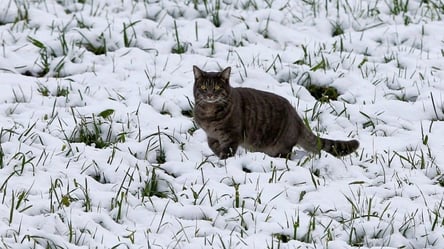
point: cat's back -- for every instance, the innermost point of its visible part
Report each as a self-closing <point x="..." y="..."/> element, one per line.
<point x="266" y="118"/>
<point x="262" y="108"/>
<point x="258" y="98"/>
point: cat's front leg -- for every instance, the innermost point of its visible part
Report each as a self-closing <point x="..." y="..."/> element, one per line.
<point x="223" y="149"/>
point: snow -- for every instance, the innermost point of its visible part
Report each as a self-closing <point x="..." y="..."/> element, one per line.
<point x="147" y="179"/>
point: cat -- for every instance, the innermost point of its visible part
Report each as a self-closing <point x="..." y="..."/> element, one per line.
<point x="256" y="120"/>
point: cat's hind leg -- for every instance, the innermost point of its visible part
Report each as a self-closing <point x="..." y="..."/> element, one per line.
<point x="279" y="150"/>
<point x="284" y="152"/>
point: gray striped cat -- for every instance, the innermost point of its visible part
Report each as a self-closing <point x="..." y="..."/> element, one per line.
<point x="257" y="120"/>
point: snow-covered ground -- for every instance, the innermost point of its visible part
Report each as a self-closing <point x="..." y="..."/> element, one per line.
<point x="99" y="148"/>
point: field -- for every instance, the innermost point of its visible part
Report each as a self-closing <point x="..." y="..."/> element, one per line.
<point x="98" y="147"/>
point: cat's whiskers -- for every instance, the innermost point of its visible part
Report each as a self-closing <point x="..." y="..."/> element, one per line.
<point x="203" y="100"/>
<point x="216" y="100"/>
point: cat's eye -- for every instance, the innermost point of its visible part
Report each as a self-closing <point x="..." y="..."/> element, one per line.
<point x="216" y="87"/>
<point x="203" y="87"/>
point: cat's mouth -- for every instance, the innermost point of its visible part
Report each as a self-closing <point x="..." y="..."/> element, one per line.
<point x="212" y="100"/>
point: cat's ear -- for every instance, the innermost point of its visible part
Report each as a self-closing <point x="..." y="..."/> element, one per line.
<point x="197" y="72"/>
<point x="226" y="74"/>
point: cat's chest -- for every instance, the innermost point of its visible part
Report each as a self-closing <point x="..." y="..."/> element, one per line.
<point x="213" y="121"/>
<point x="217" y="130"/>
<point x="211" y="127"/>
<point x="210" y="113"/>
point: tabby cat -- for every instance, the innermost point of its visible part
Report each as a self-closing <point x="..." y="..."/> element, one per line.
<point x="257" y="120"/>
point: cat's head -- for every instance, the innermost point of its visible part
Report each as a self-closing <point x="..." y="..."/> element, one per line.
<point x="211" y="87"/>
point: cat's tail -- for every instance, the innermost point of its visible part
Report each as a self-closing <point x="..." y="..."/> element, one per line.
<point x="339" y="147"/>
<point x="313" y="143"/>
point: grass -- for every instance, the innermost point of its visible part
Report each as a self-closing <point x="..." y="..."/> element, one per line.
<point x="212" y="9"/>
<point x="180" y="47"/>
<point x="129" y="39"/>
<point x="45" y="56"/>
<point x="97" y="131"/>
<point x="323" y="94"/>
<point x="151" y="187"/>
<point x="98" y="46"/>
<point x="59" y="92"/>
<point x="337" y="29"/>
